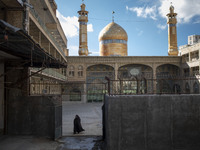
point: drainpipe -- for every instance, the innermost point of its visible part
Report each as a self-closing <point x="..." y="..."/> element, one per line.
<point x="26" y="6"/>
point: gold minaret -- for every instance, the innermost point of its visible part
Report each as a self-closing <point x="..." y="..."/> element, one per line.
<point x="172" y="34"/>
<point x="83" y="19"/>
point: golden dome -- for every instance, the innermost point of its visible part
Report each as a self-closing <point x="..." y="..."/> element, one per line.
<point x="113" y="31"/>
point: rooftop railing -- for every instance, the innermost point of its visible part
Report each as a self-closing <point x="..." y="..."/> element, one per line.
<point x="37" y="17"/>
<point x="51" y="73"/>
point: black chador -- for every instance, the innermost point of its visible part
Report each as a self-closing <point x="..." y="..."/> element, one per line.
<point x="77" y="125"/>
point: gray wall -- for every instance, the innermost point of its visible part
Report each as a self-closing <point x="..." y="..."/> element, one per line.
<point x="35" y="115"/>
<point x="1" y="97"/>
<point x="152" y="122"/>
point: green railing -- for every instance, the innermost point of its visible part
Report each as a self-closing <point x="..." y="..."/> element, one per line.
<point x="37" y="17"/>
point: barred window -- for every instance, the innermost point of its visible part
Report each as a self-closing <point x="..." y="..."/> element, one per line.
<point x="71" y="71"/>
<point x="80" y="71"/>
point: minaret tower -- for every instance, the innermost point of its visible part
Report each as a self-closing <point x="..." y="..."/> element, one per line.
<point x="172" y="34"/>
<point x="83" y="19"/>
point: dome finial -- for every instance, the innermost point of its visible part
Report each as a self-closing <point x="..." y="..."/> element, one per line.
<point x="113" y="16"/>
<point x="171" y="8"/>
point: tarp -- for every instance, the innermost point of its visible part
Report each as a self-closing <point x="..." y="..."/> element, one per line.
<point x="20" y="44"/>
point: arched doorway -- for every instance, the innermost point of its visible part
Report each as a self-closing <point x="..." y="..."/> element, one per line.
<point x="137" y="78"/>
<point x="166" y="79"/>
<point x="95" y="81"/>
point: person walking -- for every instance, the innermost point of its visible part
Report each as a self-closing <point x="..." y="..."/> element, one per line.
<point x="77" y="125"/>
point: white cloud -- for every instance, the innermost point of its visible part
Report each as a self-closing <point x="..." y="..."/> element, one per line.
<point x="70" y="25"/>
<point x="90" y="28"/>
<point x="186" y="9"/>
<point x="162" y="27"/>
<point x="73" y="50"/>
<point x="94" y="53"/>
<point x="144" y="12"/>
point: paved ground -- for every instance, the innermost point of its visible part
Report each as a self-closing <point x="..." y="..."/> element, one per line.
<point x="27" y="143"/>
<point x="41" y="143"/>
<point x="90" y="114"/>
<point x="81" y="143"/>
<point x="91" y="119"/>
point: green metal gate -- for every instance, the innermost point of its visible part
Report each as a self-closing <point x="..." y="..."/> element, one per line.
<point x="96" y="91"/>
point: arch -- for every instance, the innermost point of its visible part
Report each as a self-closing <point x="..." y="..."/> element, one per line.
<point x="100" y="67"/>
<point x="168" y="64"/>
<point x="167" y="70"/>
<point x="71" y="67"/>
<point x="196" y="88"/>
<point x="134" y="64"/>
<point x="140" y="73"/>
<point x="99" y="72"/>
<point x="165" y="75"/>
<point x="130" y="70"/>
<point x="95" y="79"/>
<point x="80" y="67"/>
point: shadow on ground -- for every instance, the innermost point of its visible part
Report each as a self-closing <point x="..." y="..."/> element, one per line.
<point x="81" y="143"/>
<point x="42" y="143"/>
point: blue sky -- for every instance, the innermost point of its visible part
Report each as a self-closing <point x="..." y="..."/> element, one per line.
<point x="143" y="20"/>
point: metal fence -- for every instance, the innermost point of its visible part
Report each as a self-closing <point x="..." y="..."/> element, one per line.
<point x="96" y="92"/>
<point x="161" y="85"/>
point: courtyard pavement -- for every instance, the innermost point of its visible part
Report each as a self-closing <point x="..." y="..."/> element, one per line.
<point x="90" y="114"/>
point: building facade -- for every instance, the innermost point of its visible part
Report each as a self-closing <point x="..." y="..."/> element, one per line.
<point x="33" y="50"/>
<point x="191" y="62"/>
<point x="86" y="75"/>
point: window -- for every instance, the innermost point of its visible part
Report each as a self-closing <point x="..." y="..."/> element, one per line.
<point x="80" y="71"/>
<point x="71" y="71"/>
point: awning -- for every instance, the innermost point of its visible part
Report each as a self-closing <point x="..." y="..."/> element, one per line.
<point x="18" y="43"/>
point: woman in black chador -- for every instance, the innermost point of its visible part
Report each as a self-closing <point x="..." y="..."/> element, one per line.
<point x="77" y="125"/>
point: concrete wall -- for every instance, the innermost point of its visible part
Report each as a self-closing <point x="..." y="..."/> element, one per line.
<point x="152" y="122"/>
<point x="1" y="98"/>
<point x="35" y="115"/>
